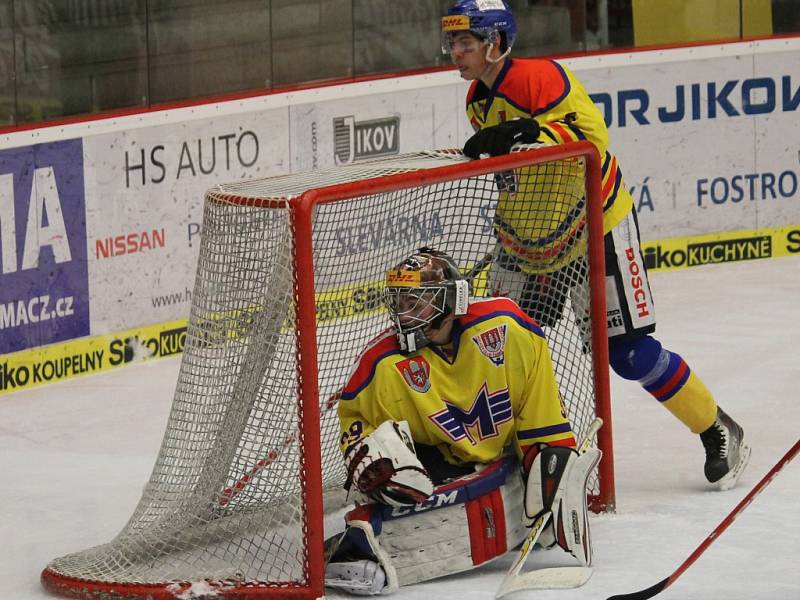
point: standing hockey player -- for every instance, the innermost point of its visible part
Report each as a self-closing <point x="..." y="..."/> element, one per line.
<point x="530" y="100"/>
<point x="426" y="418"/>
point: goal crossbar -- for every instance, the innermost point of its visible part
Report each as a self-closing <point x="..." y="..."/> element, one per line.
<point x="155" y="555"/>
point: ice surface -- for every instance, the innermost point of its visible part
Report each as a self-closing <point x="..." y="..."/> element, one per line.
<point x="74" y="456"/>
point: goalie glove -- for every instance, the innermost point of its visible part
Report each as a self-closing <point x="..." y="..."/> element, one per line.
<point x="499" y="139"/>
<point x="384" y="467"/>
<point x="557" y="483"/>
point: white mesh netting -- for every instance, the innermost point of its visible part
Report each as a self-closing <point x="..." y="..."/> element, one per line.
<point x="224" y="504"/>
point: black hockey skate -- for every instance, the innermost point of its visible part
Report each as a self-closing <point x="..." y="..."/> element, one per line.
<point x="726" y="452"/>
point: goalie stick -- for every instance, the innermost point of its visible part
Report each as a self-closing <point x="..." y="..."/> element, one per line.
<point x="759" y="487"/>
<point x="484" y="262"/>
<point x="553" y="577"/>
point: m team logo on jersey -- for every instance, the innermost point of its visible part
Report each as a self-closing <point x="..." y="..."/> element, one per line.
<point x="416" y="372"/>
<point x="492" y="344"/>
<point x="484" y="417"/>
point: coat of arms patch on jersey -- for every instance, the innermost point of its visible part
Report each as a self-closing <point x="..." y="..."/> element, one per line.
<point x="416" y="372"/>
<point x="492" y="343"/>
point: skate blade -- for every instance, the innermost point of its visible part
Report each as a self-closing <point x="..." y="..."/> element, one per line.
<point x="729" y="481"/>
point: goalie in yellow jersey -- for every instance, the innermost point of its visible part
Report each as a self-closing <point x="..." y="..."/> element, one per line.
<point x="511" y="101"/>
<point x="446" y="421"/>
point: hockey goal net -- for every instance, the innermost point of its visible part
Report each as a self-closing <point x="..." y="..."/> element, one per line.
<point x="288" y="291"/>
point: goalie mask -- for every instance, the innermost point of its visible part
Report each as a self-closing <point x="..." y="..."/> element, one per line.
<point x="420" y="292"/>
<point x="490" y="20"/>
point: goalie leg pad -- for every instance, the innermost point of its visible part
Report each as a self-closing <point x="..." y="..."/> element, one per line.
<point x="384" y="467"/>
<point x="463" y="524"/>
<point x="557" y="482"/>
<point x="453" y="538"/>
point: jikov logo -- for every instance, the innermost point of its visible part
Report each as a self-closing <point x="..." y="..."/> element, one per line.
<point x="707" y="100"/>
<point x="44" y="280"/>
<point x="353" y="140"/>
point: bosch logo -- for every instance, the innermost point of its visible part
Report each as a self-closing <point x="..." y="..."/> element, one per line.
<point x="639" y="293"/>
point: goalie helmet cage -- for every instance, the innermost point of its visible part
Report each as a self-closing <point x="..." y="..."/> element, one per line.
<point x="288" y="291"/>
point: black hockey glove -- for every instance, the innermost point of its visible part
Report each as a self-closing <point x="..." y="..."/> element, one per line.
<point x="499" y="139"/>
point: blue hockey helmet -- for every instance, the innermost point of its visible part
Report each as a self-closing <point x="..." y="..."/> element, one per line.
<point x="488" y="19"/>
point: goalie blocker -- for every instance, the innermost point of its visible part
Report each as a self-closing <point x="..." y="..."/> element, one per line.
<point x="461" y="524"/>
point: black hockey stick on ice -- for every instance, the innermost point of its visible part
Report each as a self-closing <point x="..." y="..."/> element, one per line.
<point x="665" y="583"/>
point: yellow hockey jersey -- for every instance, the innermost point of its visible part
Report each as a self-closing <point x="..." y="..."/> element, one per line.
<point x="496" y="389"/>
<point x="539" y="220"/>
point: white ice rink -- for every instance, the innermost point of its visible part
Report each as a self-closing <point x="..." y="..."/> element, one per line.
<point x="74" y="456"/>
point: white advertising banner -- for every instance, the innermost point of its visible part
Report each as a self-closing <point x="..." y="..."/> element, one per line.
<point x="342" y="131"/>
<point x="100" y="221"/>
<point x="144" y="207"/>
<point x="708" y="144"/>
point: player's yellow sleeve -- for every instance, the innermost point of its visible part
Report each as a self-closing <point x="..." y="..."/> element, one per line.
<point x="360" y="408"/>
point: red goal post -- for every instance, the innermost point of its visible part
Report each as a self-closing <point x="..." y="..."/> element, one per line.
<point x="605" y="500"/>
<point x="237" y="500"/>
